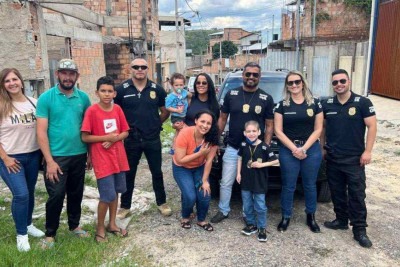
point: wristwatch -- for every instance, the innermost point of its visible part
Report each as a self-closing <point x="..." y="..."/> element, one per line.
<point x="304" y="151"/>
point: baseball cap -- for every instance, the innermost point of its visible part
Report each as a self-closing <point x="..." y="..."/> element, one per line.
<point x="67" y="64"/>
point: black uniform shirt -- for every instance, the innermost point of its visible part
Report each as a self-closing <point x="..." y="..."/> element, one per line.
<point x="260" y="108"/>
<point x="345" y="127"/>
<point x="255" y="179"/>
<point x="299" y="119"/>
<point x="142" y="109"/>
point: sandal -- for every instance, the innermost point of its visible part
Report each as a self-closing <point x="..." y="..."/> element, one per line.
<point x="100" y="239"/>
<point x="207" y="226"/>
<point x="186" y="224"/>
<point x="120" y="232"/>
<point x="46" y="244"/>
<point x="79" y="232"/>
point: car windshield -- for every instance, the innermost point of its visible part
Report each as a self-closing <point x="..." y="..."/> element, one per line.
<point x="271" y="85"/>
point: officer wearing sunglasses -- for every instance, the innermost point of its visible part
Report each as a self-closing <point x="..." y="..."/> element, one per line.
<point x="298" y="125"/>
<point x="141" y="100"/>
<point x="242" y="104"/>
<point x="347" y="117"/>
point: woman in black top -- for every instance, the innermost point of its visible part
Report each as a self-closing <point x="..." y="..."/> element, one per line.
<point x="298" y="123"/>
<point x="204" y="98"/>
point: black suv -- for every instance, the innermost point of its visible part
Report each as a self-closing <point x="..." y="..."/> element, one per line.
<point x="272" y="82"/>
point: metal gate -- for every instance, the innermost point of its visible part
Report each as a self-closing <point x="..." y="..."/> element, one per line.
<point x="320" y="76"/>
<point x="386" y="69"/>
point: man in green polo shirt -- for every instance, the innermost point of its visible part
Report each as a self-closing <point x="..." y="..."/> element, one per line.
<point x="59" y="115"/>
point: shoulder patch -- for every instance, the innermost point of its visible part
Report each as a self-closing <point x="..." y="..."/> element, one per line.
<point x="330" y="100"/>
<point x="271" y="154"/>
<point x="357" y="99"/>
<point x="153" y="85"/>
<point x="125" y="85"/>
<point x="243" y="144"/>
<point x="234" y="92"/>
<point x="264" y="147"/>
<point x="263" y="96"/>
<point x="372" y="109"/>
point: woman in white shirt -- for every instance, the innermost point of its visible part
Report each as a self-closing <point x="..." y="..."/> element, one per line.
<point x="19" y="152"/>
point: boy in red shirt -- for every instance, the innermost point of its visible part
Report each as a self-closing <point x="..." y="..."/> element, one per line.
<point x="104" y="127"/>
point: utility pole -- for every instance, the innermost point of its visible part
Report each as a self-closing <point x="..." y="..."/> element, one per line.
<point x="314" y="19"/>
<point x="220" y="61"/>
<point x="178" y="63"/>
<point x="298" y="35"/>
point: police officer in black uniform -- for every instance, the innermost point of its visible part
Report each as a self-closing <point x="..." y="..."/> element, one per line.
<point x="242" y="104"/>
<point x="347" y="116"/>
<point x="141" y="100"/>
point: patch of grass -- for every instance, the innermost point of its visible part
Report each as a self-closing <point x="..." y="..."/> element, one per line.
<point x="397" y="152"/>
<point x="90" y="180"/>
<point x="69" y="250"/>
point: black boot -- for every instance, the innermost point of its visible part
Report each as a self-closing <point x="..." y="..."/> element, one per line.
<point x="360" y="234"/>
<point x="312" y="224"/>
<point x="283" y="225"/>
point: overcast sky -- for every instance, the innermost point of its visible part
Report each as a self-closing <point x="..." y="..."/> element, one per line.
<point x="251" y="15"/>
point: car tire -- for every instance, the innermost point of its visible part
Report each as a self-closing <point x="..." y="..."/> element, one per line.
<point x="214" y="186"/>
<point x="323" y="193"/>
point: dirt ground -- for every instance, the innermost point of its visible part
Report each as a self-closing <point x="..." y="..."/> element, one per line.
<point x="167" y="244"/>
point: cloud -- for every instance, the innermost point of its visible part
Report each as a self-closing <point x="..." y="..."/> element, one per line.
<point x="247" y="14"/>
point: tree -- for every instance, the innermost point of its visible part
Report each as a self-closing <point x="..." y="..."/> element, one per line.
<point x="228" y="49"/>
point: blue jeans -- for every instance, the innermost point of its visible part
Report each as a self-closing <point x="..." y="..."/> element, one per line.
<point x="22" y="186"/>
<point x="254" y="204"/>
<point x="229" y="169"/>
<point x="290" y="169"/>
<point x="187" y="179"/>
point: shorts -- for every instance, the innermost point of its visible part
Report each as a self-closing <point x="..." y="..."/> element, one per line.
<point x="110" y="185"/>
<point x="176" y="119"/>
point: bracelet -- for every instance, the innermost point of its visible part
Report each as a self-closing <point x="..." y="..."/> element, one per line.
<point x="304" y="151"/>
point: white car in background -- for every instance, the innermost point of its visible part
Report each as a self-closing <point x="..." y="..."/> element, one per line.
<point x="190" y="84"/>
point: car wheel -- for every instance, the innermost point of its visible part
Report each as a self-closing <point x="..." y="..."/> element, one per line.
<point x="324" y="194"/>
<point x="214" y="185"/>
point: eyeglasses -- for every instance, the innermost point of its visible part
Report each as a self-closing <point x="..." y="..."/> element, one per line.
<point x="296" y="82"/>
<point x="199" y="83"/>
<point x="336" y="82"/>
<point x="255" y="74"/>
<point x="137" y="67"/>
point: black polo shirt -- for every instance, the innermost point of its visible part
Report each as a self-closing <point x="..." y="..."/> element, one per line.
<point x="299" y="119"/>
<point x="345" y="127"/>
<point x="255" y="179"/>
<point x="259" y="107"/>
<point x="142" y="109"/>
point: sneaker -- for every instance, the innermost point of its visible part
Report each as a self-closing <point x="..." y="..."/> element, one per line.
<point x="165" y="210"/>
<point x="262" y="235"/>
<point x="249" y="230"/>
<point x="33" y="231"/>
<point x="219" y="217"/>
<point x="123" y="213"/>
<point x="23" y="243"/>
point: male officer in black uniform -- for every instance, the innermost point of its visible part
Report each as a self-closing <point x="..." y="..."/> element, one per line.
<point x="347" y="115"/>
<point x="141" y="100"/>
<point x="242" y="104"/>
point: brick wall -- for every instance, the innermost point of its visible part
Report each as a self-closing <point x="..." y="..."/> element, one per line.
<point x="335" y="20"/>
<point x="20" y="40"/>
<point x="89" y="57"/>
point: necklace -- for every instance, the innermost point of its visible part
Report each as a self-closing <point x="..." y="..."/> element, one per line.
<point x="251" y="156"/>
<point x="246" y="106"/>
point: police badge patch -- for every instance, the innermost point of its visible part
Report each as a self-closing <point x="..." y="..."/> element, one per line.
<point x="352" y="111"/>
<point x="152" y="94"/>
<point x="310" y="112"/>
<point x="258" y="109"/>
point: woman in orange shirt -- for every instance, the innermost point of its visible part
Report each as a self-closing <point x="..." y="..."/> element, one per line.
<point x="195" y="149"/>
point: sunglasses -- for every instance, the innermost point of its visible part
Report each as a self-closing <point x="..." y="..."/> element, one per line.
<point x="336" y="82"/>
<point x="203" y="83"/>
<point x="137" y="67"/>
<point x="296" y="82"/>
<point x="254" y="74"/>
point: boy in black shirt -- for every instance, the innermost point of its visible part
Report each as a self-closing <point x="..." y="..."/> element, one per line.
<point x="254" y="157"/>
